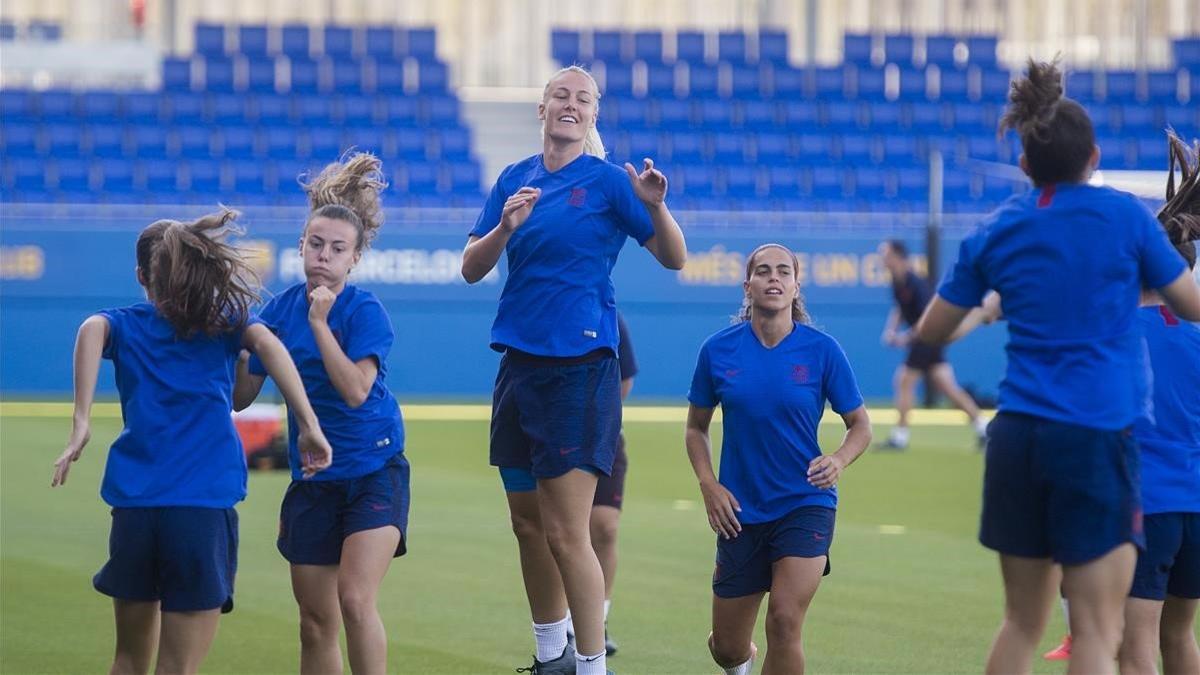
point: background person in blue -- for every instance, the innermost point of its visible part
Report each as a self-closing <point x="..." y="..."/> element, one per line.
<point x="341" y="531"/>
<point x="1161" y="609"/>
<point x="561" y="217"/>
<point x="1060" y="485"/>
<point x="176" y="471"/>
<point x="774" y="505"/>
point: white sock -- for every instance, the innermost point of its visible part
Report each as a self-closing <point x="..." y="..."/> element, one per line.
<point x="551" y="639"/>
<point x="570" y="626"/>
<point x="607" y="604"/>
<point x="1066" y="613"/>
<point x="743" y="669"/>
<point x="899" y="436"/>
<point x="591" y="665"/>
<point x="980" y="426"/>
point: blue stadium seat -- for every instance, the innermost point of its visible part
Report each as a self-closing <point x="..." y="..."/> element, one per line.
<point x="381" y="43"/>
<point x="389" y="78"/>
<point x="642" y="144"/>
<point x="347" y="78"/>
<point x="788" y="83"/>
<point x="772" y="148"/>
<point x="246" y="177"/>
<point x="252" y="40"/>
<point x="969" y="118"/>
<point x="731" y="46"/>
<point x="1081" y="85"/>
<point x="843" y="115"/>
<point x="981" y="50"/>
<point x="783" y="182"/>
<point x="218" y="74"/>
<point x="270" y="109"/>
<point x="1162" y="87"/>
<point x="648" y="46"/>
<point x="939" y="50"/>
<point x="913" y="85"/>
<point x="696" y="179"/>
<point x="204" y="176"/>
<point x="1186" y="119"/>
<point x="1104" y="117"/>
<point x="226" y="109"/>
<point x="812" y="148"/>
<point x="71" y="175"/>
<point x="608" y="46"/>
<point x="25" y="174"/>
<point x="421" y="43"/>
<point x="56" y="105"/>
<point x="883" y="116"/>
<point x="689" y="46"/>
<point x="856" y="49"/>
<point x="115" y="176"/>
<point x="1187" y="54"/>
<point x="703" y="81"/>
<point x="898" y="49"/>
<point x="1195" y="93"/>
<point x="237" y="142"/>
<point x="421" y="178"/>
<point x="464" y="178"/>
<point x="433" y="77"/>
<point x="857" y="149"/>
<point x="629" y="112"/>
<point x="715" y="114"/>
<point x="687" y="146"/>
<point x="8" y="30"/>
<point x="260" y="75"/>
<point x="1118" y="152"/>
<point x="869" y="183"/>
<point x="564" y="46"/>
<point x="773" y="46"/>
<point x="983" y="147"/>
<point x="106" y="140"/>
<point x="279" y="142"/>
<point x="324" y="144"/>
<point x="159" y="175"/>
<point x="186" y="108"/>
<point x="62" y="140"/>
<point x="19" y="139"/>
<point x="926" y="117"/>
<point x="956" y="186"/>
<point x="1120" y="86"/>
<point x="210" y="39"/>
<point x="827" y="182"/>
<point x="314" y="110"/>
<point x="454" y="143"/>
<point x="411" y="144"/>
<point x="674" y="114"/>
<point x="660" y="79"/>
<point x="870" y="84"/>
<point x="757" y="114"/>
<point x="339" y="42"/>
<point x="912" y="183"/>
<point x="746" y="82"/>
<point x="176" y="74"/>
<point x="294" y="40"/>
<point x="900" y="149"/>
<point x="99" y="106"/>
<point x="741" y="181"/>
<point x="357" y="111"/>
<point x="949" y="145"/>
<point x="1151" y="152"/>
<point x="617" y="80"/>
<point x="149" y="142"/>
<point x="730" y="148"/>
<point x="953" y="85"/>
<point x="993" y="86"/>
<point x="1137" y="118"/>
<point x="16" y="104"/>
<point x="143" y="107"/>
<point x="304" y="76"/>
<point x="194" y="142"/>
<point x="440" y="111"/>
<point x="828" y="83"/>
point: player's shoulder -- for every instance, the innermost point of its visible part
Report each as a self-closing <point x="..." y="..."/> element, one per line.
<point x="725" y="337"/>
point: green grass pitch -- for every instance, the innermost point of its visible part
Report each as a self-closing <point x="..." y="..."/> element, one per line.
<point x="924" y="600"/>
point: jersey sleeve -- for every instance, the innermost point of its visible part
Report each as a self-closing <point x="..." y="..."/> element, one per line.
<point x="370" y="333"/>
<point x="703" y="393"/>
<point x="493" y="208"/>
<point x="268" y="318"/>
<point x="1160" y="263"/>
<point x="964" y="285"/>
<point x="632" y="217"/>
<point x="841" y="388"/>
<point x="626" y="360"/>
<point x="113" y="316"/>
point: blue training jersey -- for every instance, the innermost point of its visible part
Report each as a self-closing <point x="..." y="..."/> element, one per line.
<point x="1170" y="442"/>
<point x="179" y="446"/>
<point x="558" y="299"/>
<point x="363" y="438"/>
<point x="1069" y="261"/>
<point x="772" y="401"/>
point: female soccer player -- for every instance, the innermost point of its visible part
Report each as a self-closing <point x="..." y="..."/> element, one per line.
<point x="774" y="505"/>
<point x="1160" y="612"/>
<point x="561" y="217"/>
<point x="176" y="471"/>
<point x="1060" y="486"/>
<point x="341" y="531"/>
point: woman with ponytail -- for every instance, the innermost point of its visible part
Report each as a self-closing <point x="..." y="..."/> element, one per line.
<point x="774" y="504"/>
<point x="1061" y="479"/>
<point x="561" y="216"/>
<point x="340" y="531"/>
<point x="1160" y="613"/>
<point x="176" y="471"/>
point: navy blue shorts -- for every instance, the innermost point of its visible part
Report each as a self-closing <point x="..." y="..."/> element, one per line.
<point x="317" y="516"/>
<point x="184" y="557"/>
<point x="553" y="415"/>
<point x="923" y="357"/>
<point x="1170" y="564"/>
<point x="744" y="562"/>
<point x="1058" y="490"/>
<point x="610" y="489"/>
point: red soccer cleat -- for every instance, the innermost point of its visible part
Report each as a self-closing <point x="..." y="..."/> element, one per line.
<point x="1060" y="653"/>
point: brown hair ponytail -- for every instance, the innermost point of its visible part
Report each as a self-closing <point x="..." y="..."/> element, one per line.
<point x="1056" y="133"/>
<point x="1180" y="216"/>
<point x="348" y="190"/>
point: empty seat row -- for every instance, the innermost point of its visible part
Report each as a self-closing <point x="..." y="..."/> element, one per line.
<point x="45" y="31"/>
<point x="614" y="46"/>
<point x="382" y="42"/>
<point x="303" y="75"/>
<point x="905" y="49"/>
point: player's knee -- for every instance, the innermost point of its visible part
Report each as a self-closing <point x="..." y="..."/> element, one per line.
<point x="527" y="528"/>
<point x="784" y="624"/>
<point x="1173" y="637"/>
<point x="727" y="652"/>
<point x="318" y="625"/>
<point x="357" y="606"/>
<point x="565" y="540"/>
<point x="604" y="532"/>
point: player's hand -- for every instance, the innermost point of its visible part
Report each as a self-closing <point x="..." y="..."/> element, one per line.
<point x="902" y="338"/>
<point x="315" y="452"/>
<point x="80" y="435"/>
<point x="824" y="471"/>
<point x="320" y="301"/>
<point x="518" y="207"/>
<point x="650" y="185"/>
<point x="722" y="508"/>
<point x="888" y="338"/>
